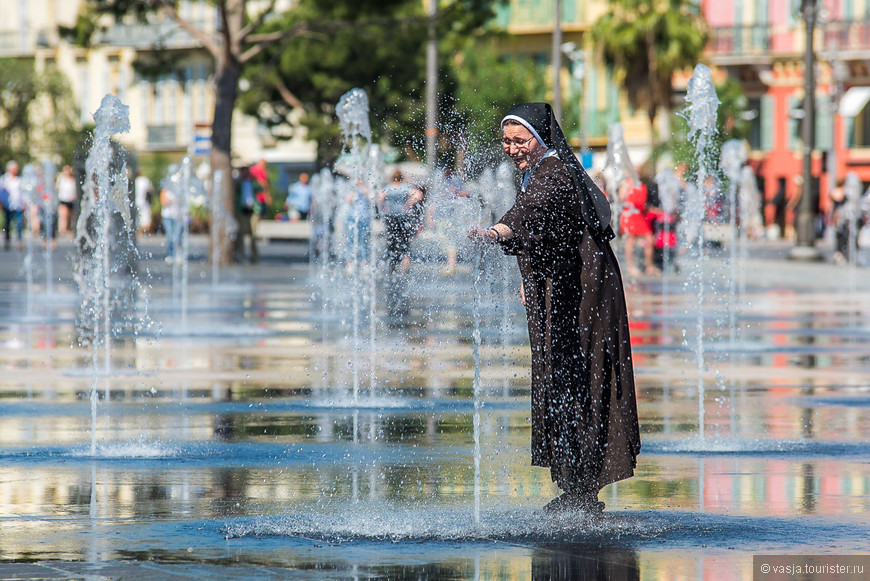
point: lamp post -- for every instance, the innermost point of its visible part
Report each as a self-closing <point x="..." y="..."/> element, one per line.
<point x="839" y="73"/>
<point x="805" y="221"/>
<point x="577" y="57"/>
<point x="432" y="86"/>
<point x="557" y="60"/>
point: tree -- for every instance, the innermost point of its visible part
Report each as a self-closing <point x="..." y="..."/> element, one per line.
<point x="646" y="42"/>
<point x="485" y="85"/>
<point x="253" y="30"/>
<point x="375" y="45"/>
<point x="36" y="112"/>
<point x="731" y="123"/>
<point x="232" y="43"/>
<point x="371" y="44"/>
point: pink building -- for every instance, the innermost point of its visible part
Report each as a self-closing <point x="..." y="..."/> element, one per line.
<point x="761" y="43"/>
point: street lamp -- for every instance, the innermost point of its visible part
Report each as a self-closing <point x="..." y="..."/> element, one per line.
<point x="577" y="57"/>
<point x="805" y="221"/>
<point x="557" y="60"/>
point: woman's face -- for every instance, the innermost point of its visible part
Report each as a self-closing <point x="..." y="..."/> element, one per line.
<point x="520" y="145"/>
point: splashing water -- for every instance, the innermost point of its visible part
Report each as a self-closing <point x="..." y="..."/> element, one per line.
<point x="49" y="203"/>
<point x="353" y="115"/>
<point x="751" y="223"/>
<point x="29" y="184"/>
<point x="700" y="112"/>
<point x="352" y="111"/>
<point x="732" y="158"/>
<point x="104" y="236"/>
<point x="669" y="194"/>
<point x="851" y="212"/>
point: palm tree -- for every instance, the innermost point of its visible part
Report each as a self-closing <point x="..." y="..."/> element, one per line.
<point x="646" y="42"/>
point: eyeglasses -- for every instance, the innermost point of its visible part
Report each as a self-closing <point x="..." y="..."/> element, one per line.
<point x="518" y="143"/>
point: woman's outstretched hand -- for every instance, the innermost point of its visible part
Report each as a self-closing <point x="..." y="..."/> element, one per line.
<point x="483" y="236"/>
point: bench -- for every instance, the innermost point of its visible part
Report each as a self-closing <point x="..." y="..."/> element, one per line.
<point x="283" y="230"/>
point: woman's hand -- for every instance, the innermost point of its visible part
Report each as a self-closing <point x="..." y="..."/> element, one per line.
<point x="522" y="294"/>
<point x="483" y="236"/>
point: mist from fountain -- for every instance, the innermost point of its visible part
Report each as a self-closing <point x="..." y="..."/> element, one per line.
<point x="732" y="158"/>
<point x="751" y="223"/>
<point x="352" y="111"/>
<point x="617" y="169"/>
<point x="29" y="184"/>
<point x="670" y="190"/>
<point x="49" y="217"/>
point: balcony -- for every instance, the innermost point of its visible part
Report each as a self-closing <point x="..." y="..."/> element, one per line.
<point x="147" y="35"/>
<point x="740" y="40"/>
<point x="760" y="42"/>
<point x="162" y="137"/>
<point x="846" y="35"/>
<point x="536" y="16"/>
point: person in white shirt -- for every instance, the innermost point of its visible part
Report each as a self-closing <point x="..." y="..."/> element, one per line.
<point x="67" y="194"/>
<point x="170" y="215"/>
<point x="143" y="190"/>
<point x="15" y="204"/>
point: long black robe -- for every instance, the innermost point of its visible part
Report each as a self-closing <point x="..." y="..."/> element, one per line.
<point x="584" y="413"/>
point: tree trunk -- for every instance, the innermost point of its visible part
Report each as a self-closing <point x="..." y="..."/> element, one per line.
<point x="653" y="89"/>
<point x="653" y="132"/>
<point x="227" y="75"/>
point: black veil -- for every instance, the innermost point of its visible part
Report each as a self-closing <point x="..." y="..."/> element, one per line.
<point x="594" y="206"/>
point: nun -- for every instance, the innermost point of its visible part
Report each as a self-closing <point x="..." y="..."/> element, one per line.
<point x="584" y="413"/>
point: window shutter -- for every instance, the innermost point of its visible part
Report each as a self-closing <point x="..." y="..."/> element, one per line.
<point x="824" y="139"/>
<point x="766" y="114"/>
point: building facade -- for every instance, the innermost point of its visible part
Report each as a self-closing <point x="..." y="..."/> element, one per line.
<point x="762" y="43"/>
<point x="587" y="84"/>
<point x="156" y="68"/>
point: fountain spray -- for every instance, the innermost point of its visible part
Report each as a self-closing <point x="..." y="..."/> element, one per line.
<point x="104" y="199"/>
<point x="700" y="112"/>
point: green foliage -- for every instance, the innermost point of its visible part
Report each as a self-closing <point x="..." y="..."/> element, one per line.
<point x="733" y="106"/>
<point x="37" y="112"/>
<point x="647" y="41"/>
<point x="484" y="86"/>
<point x="82" y="32"/>
<point x="729" y="125"/>
<point x="376" y="45"/>
<point x="87" y="23"/>
<point x="329" y="47"/>
<point x="320" y="66"/>
<point x="155" y="166"/>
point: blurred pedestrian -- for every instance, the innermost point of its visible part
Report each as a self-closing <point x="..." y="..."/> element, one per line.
<point x="839" y="221"/>
<point x="260" y="175"/>
<point x="15" y="204"/>
<point x="358" y="226"/>
<point x="170" y="216"/>
<point x="143" y="190"/>
<point x="246" y="203"/>
<point x="298" y="199"/>
<point x="634" y="223"/>
<point x="401" y="205"/>
<point x="67" y="194"/>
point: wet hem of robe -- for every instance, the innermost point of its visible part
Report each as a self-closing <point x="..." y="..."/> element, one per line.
<point x="610" y="480"/>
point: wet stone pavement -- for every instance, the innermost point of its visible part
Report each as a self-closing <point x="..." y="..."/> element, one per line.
<point x="272" y="422"/>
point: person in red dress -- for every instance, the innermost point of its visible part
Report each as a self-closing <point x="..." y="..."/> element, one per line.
<point x="633" y="223"/>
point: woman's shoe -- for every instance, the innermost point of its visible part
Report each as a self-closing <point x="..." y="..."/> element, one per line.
<point x="576" y="501"/>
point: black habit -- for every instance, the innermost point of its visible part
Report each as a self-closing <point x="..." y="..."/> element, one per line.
<point x="584" y="413"/>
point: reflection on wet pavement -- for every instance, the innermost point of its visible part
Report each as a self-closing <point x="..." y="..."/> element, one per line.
<point x="233" y="446"/>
